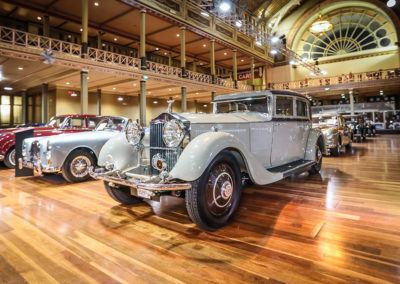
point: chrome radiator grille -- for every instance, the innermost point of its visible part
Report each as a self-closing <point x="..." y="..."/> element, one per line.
<point x="157" y="146"/>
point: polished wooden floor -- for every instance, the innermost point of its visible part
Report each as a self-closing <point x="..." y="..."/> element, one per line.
<point x="340" y="226"/>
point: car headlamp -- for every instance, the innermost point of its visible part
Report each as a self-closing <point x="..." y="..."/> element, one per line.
<point x="133" y="132"/>
<point x="173" y="133"/>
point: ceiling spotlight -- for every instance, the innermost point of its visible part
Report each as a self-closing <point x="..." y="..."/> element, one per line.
<point x="178" y="35"/>
<point x="258" y="43"/>
<point x="96" y="4"/>
<point x="69" y="36"/>
<point x="204" y="105"/>
<point x="74" y="94"/>
<point x="8" y="88"/>
<point x="238" y="23"/>
<point x="327" y="89"/>
<point x="201" y="63"/>
<point x="134" y="84"/>
<point x="165" y="53"/>
<point x="273" y="52"/>
<point x="170" y="90"/>
<point x="391" y="3"/>
<point x="205" y="14"/>
<point x="81" y="29"/>
<point x="20" y="68"/>
<point x="67" y="83"/>
<point x="274" y="39"/>
<point x="120" y="99"/>
<point x="204" y="45"/>
<point x="241" y="60"/>
<point x="39" y="18"/>
<point x="292" y="62"/>
<point x="323" y="72"/>
<point x="157" y="48"/>
<point x="114" y="89"/>
<point x="155" y="102"/>
<point x="115" y="39"/>
<point x="88" y="77"/>
<point x="225" y="53"/>
<point x="197" y="93"/>
<point x="149" y="93"/>
<point x="312" y="74"/>
<point x="225" y="6"/>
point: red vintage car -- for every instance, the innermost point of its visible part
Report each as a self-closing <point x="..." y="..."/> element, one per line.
<point x="59" y="124"/>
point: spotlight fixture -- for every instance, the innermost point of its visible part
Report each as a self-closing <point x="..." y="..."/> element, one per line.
<point x="149" y="93"/>
<point x="170" y="90"/>
<point x="115" y="39"/>
<point x="114" y="89"/>
<point x="134" y="84"/>
<point x="120" y="99"/>
<point x="155" y="102"/>
<point x="96" y="4"/>
<point x="197" y="93"/>
<point x="241" y="60"/>
<point x="165" y="53"/>
<point x="292" y="62"/>
<point x="20" y="68"/>
<point x="74" y="94"/>
<point x="327" y="89"/>
<point x="274" y="39"/>
<point x="39" y="18"/>
<point x="8" y="88"/>
<point x="205" y="105"/>
<point x="225" y="53"/>
<point x="274" y="52"/>
<point x="178" y="35"/>
<point x="204" y="45"/>
<point x="391" y="3"/>
<point x="67" y="83"/>
<point x="225" y="6"/>
<point x="81" y="30"/>
<point x="238" y="23"/>
<point x="312" y="74"/>
<point x="157" y="48"/>
<point x="205" y="14"/>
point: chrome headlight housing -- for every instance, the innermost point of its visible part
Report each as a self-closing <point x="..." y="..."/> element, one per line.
<point x="133" y="132"/>
<point x="173" y="133"/>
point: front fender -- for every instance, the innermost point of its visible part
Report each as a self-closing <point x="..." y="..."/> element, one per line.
<point x="314" y="136"/>
<point x="196" y="157"/>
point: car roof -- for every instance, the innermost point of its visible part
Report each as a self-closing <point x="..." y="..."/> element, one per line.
<point x="256" y="94"/>
<point x="79" y="115"/>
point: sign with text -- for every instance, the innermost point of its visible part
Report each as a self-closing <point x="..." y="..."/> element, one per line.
<point x="246" y="75"/>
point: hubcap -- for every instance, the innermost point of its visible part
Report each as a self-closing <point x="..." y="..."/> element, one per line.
<point x="219" y="189"/>
<point x="79" y="166"/>
<point x="318" y="155"/>
<point x="12" y="157"/>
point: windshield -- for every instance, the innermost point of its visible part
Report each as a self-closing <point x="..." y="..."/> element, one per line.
<point x="326" y="120"/>
<point x="256" y="105"/>
<point x="56" y="121"/>
<point x="111" y="124"/>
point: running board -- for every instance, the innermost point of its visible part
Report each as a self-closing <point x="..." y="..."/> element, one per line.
<point x="292" y="168"/>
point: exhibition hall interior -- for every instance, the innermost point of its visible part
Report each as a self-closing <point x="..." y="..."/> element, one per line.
<point x="199" y="141"/>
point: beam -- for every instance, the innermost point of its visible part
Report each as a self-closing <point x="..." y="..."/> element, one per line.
<point x="160" y="30"/>
<point x="116" y="17"/>
<point x="12" y="11"/>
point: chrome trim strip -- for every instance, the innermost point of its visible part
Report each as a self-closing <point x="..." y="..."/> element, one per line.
<point x="38" y="167"/>
<point x="157" y="187"/>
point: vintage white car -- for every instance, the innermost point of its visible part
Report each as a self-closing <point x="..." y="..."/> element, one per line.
<point x="263" y="136"/>
<point x="70" y="154"/>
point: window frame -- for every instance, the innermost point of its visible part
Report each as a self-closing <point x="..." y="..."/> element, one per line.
<point x="275" y="106"/>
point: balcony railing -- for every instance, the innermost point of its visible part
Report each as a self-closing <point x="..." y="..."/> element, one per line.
<point x="387" y="74"/>
<point x="24" y="39"/>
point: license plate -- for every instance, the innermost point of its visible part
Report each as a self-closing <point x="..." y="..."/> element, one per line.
<point x="144" y="193"/>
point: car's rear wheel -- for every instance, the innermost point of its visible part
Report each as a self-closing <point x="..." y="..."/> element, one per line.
<point x="122" y="194"/>
<point x="336" y="151"/>
<point x="76" y="166"/>
<point x="318" y="160"/>
<point x="215" y="196"/>
<point x="350" y="145"/>
<point x="9" y="160"/>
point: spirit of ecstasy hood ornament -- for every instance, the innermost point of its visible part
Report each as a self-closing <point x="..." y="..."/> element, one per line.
<point x="170" y="102"/>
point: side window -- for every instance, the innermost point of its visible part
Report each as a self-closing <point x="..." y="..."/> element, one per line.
<point x="92" y="122"/>
<point x="284" y="106"/>
<point x="301" y="108"/>
<point x="78" y="122"/>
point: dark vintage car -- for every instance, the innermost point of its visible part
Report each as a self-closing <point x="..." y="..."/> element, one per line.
<point x="59" y="124"/>
<point x="356" y="123"/>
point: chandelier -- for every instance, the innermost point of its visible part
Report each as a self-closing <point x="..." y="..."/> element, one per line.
<point x="321" y="26"/>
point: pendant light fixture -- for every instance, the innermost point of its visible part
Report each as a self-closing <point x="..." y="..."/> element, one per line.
<point x="320" y="26"/>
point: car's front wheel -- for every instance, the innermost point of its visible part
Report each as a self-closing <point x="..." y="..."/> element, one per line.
<point x="9" y="160"/>
<point x="318" y="161"/>
<point x="214" y="197"/>
<point x="76" y="166"/>
<point x="122" y="194"/>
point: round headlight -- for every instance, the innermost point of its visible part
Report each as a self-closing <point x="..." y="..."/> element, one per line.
<point x="133" y="133"/>
<point x="173" y="133"/>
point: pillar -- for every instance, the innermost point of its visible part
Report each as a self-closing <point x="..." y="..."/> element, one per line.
<point x="351" y="97"/>
<point x="99" y="39"/>
<point x="85" y="22"/>
<point x="373" y="116"/>
<point x="24" y="106"/>
<point x="98" y="101"/>
<point x="45" y="102"/>
<point x="170" y="58"/>
<point x="195" y="106"/>
<point x="213" y="93"/>
<point x="142" y="47"/>
<point x="183" y="51"/>
<point x="183" y="101"/>
<point x="84" y="93"/>
<point x="46" y="25"/>
<point x="266" y="76"/>
<point x="234" y="52"/>
<point x="142" y="103"/>
<point x="194" y="66"/>
<point x="212" y="59"/>
<point x="252" y="72"/>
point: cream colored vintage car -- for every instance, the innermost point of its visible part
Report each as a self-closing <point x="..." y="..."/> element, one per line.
<point x="205" y="158"/>
<point x="336" y="133"/>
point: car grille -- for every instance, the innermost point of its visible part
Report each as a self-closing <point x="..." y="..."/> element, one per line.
<point x="157" y="146"/>
<point x="35" y="150"/>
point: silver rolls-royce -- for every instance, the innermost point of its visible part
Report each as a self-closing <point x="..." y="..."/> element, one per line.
<point x="205" y="158"/>
<point x="70" y="154"/>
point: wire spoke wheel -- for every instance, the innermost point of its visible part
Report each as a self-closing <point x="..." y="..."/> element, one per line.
<point x="79" y="166"/>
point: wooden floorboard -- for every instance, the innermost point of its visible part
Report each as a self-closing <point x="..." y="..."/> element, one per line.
<point x="342" y="226"/>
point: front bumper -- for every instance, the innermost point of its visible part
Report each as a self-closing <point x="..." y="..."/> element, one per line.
<point x="136" y="184"/>
<point x="1" y="158"/>
<point x="37" y="166"/>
